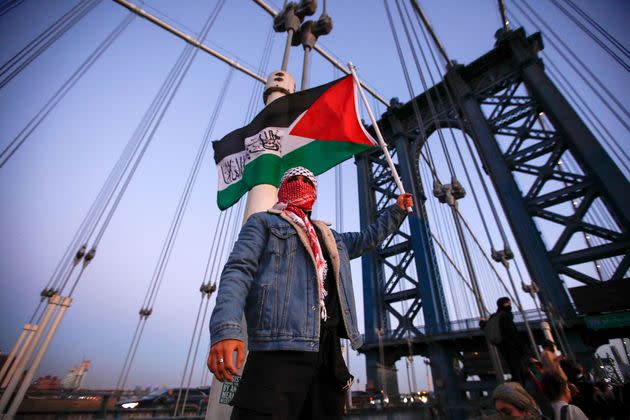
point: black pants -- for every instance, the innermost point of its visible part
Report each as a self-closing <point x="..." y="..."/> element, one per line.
<point x="514" y="360"/>
<point x="287" y="385"/>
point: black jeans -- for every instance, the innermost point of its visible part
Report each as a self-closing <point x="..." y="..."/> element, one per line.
<point x="514" y="360"/>
<point x="287" y="385"/>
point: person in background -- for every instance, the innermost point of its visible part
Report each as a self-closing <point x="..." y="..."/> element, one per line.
<point x="557" y="391"/>
<point x="512" y="349"/>
<point x="511" y="400"/>
<point x="549" y="360"/>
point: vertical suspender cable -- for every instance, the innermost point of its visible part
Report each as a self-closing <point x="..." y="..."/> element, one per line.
<point x="504" y="20"/>
<point x="622" y="157"/>
<point x="425" y="86"/>
<point x="209" y="282"/>
<point x="456" y="213"/>
<point x="179" y="72"/>
<point x="416" y="111"/>
<point x="200" y="155"/>
<point x="452" y="105"/>
<point x="27" y="349"/>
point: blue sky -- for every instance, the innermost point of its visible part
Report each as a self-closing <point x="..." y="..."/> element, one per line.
<point x="50" y="183"/>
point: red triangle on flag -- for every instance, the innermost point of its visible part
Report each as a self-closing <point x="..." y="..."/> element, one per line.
<point x="333" y="117"/>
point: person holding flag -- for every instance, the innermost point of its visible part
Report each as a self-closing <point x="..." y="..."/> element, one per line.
<point x="290" y="276"/>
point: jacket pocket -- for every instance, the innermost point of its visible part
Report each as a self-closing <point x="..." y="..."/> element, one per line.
<point x="284" y="240"/>
<point x="262" y="299"/>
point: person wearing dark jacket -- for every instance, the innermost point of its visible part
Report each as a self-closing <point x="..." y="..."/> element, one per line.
<point x="511" y="348"/>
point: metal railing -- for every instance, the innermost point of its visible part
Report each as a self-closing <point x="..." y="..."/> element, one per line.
<point x="457" y="326"/>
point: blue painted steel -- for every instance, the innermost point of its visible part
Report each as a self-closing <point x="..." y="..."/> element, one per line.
<point x="430" y="288"/>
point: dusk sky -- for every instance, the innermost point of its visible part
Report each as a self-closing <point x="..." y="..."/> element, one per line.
<point x="49" y="184"/>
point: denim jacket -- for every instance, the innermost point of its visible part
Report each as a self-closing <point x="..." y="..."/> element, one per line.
<point x="270" y="275"/>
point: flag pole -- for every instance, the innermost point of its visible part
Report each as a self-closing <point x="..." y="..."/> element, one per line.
<point x="379" y="136"/>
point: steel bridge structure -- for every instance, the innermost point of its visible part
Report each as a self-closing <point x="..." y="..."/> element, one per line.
<point x="500" y="97"/>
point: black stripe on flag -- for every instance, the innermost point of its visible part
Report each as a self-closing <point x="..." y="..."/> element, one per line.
<point x="280" y="113"/>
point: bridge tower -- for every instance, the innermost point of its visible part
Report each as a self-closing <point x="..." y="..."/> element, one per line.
<point x="501" y="98"/>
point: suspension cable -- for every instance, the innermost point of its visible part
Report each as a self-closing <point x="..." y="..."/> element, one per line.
<point x="414" y="106"/>
<point x="587" y="112"/>
<point x="13" y="146"/>
<point x="427" y="25"/>
<point x="8" y="5"/>
<point x="168" y="245"/>
<point x="33" y="49"/>
<point x="425" y="86"/>
<point x="225" y="218"/>
<point x="432" y="108"/>
<point x="440" y="214"/>
<point x="504" y="20"/>
<point x="591" y="35"/>
<point x="461" y="125"/>
<point x="452" y="105"/>
<point x="599" y="28"/>
<point x="618" y="105"/>
<point x="183" y="64"/>
<point x="77" y="247"/>
<point x="584" y="107"/>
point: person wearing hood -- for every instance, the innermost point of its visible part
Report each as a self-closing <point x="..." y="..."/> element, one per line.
<point x="290" y="276"/>
<point x="511" y="348"/>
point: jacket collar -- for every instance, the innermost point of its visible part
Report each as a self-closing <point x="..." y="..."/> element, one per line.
<point x="327" y="237"/>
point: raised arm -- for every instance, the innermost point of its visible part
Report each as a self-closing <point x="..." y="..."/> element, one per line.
<point x="369" y="238"/>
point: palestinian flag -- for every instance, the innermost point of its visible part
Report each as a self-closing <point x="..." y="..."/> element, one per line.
<point x="316" y="128"/>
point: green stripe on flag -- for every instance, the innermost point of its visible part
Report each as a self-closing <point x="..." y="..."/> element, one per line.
<point x="230" y="195"/>
<point x="318" y="156"/>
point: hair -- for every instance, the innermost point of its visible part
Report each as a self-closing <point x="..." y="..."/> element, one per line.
<point x="514" y="393"/>
<point x="502" y="301"/>
<point x="549" y="345"/>
<point x="553" y="386"/>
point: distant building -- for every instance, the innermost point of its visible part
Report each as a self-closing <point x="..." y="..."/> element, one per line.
<point x="75" y="376"/>
<point x="46" y="383"/>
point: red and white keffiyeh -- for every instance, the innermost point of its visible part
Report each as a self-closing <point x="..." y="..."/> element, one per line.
<point x="296" y="196"/>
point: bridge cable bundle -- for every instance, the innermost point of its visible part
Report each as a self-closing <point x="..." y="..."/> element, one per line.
<point x="451" y="192"/>
<point x="37" y="46"/>
<point x="21" y="356"/>
<point x="456" y="214"/>
<point x="216" y="257"/>
<point x="452" y="228"/>
<point x="39" y="117"/>
<point x="585" y="70"/>
<point x="173" y="82"/>
<point x="613" y="144"/>
<point x="8" y="5"/>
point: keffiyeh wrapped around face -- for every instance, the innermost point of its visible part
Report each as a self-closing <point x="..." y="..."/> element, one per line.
<point x="295" y="197"/>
